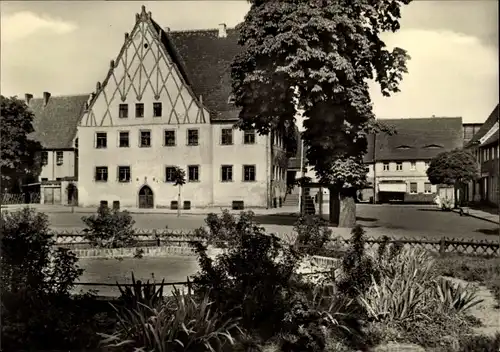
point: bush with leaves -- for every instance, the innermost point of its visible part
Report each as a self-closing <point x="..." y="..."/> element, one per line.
<point x="312" y="234"/>
<point x="252" y="279"/>
<point x="358" y="268"/>
<point x="110" y="228"/>
<point x="37" y="309"/>
<point x="226" y="230"/>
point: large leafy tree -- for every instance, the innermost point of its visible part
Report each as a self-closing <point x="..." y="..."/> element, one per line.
<point x="456" y="167"/>
<point x="317" y="57"/>
<point x="19" y="160"/>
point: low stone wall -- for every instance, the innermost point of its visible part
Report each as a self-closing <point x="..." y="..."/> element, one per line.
<point x="131" y="252"/>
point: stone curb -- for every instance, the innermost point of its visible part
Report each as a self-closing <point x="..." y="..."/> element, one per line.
<point x="477" y="217"/>
<point x="131" y="251"/>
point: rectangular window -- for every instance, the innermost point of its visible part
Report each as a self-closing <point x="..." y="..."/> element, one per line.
<point x="193" y="173"/>
<point x="227" y="136"/>
<point x="249" y="137"/>
<point x="44" y="179"/>
<point x="145" y="139"/>
<point x="386" y="166"/>
<point x="413" y="165"/>
<point x="45" y="158"/>
<point x="124" y="173"/>
<point x="124" y="141"/>
<point x="226" y="173"/>
<point x="413" y="187"/>
<point x="156" y="109"/>
<point x="139" y="110"/>
<point x="59" y="158"/>
<point x="192" y="137"/>
<point x="248" y="173"/>
<point x="169" y="174"/>
<point x="427" y="188"/>
<point x="399" y="166"/>
<point x="123" y="111"/>
<point x="101" y="140"/>
<point x="169" y="138"/>
<point x="101" y="173"/>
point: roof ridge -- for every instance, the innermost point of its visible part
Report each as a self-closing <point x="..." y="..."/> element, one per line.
<point x="197" y="30"/>
<point x="64" y="96"/>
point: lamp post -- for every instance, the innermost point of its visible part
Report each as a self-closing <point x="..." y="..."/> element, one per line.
<point x="302" y="174"/>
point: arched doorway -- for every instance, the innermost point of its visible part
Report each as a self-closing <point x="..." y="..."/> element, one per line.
<point x="146" y="198"/>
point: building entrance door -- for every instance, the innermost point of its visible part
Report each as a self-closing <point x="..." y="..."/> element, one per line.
<point x="146" y="198"/>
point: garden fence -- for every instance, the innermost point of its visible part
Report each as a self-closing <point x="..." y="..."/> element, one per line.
<point x="165" y="237"/>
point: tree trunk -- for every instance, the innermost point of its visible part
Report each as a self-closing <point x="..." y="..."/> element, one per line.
<point x="179" y="202"/>
<point x="334" y="206"/>
<point x="347" y="215"/>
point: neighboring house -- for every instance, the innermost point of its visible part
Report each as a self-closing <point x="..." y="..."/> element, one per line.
<point x="484" y="145"/>
<point x="55" y="125"/>
<point x="470" y="129"/>
<point x="401" y="160"/>
<point x="166" y="102"/>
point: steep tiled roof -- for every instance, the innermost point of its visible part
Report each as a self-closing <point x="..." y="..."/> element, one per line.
<point x="205" y="59"/>
<point x="417" y="139"/>
<point x="55" y="124"/>
<point x="488" y="124"/>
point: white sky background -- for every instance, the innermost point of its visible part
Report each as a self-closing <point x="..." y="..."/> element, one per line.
<point x="65" y="48"/>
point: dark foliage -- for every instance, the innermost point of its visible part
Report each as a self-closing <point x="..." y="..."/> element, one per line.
<point x="480" y="343"/>
<point x="453" y="168"/>
<point x="357" y="267"/>
<point x="38" y="312"/>
<point x="110" y="228"/>
<point x="19" y="160"/>
<point x="312" y="234"/>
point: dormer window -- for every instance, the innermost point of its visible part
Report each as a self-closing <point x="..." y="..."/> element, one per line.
<point x="433" y="146"/>
<point x="231" y="99"/>
<point x="404" y="147"/>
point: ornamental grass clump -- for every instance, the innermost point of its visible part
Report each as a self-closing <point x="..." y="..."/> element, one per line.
<point x="181" y="324"/>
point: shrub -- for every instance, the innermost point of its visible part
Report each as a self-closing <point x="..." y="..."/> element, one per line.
<point x="37" y="309"/>
<point x="109" y="228"/>
<point x="251" y="280"/>
<point x="182" y="324"/>
<point x="358" y="269"/>
<point x="312" y="234"/>
<point x="227" y="229"/>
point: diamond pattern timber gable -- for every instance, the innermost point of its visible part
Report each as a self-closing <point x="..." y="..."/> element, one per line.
<point x="144" y="72"/>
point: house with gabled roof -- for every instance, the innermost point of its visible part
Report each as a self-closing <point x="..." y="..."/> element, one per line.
<point x="484" y="145"/>
<point x="165" y="103"/>
<point x="397" y="164"/>
<point x="55" y="127"/>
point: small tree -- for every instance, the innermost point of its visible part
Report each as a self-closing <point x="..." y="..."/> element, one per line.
<point x="109" y="228"/>
<point x="179" y="177"/>
<point x="456" y="167"/>
<point x="19" y="160"/>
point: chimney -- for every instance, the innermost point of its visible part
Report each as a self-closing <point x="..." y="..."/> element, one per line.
<point x="167" y="29"/>
<point x="222" y="30"/>
<point x="28" y="97"/>
<point x="46" y="96"/>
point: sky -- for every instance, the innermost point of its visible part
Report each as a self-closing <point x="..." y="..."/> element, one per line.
<point x="64" y="47"/>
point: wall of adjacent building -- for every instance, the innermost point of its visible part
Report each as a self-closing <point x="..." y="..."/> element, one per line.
<point x="408" y="175"/>
<point x="52" y="171"/>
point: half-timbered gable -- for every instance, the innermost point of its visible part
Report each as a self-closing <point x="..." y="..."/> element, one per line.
<point x="166" y="102"/>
